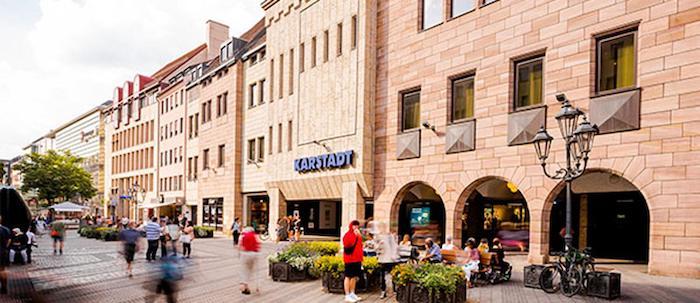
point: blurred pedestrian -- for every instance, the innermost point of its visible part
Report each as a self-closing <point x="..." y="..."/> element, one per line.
<point x="235" y="231"/>
<point x="18" y="245"/>
<point x="164" y="237"/>
<point x="170" y="274"/>
<point x="130" y="238"/>
<point x="58" y="233"/>
<point x="387" y="255"/>
<point x="352" y="257"/>
<point x="186" y="239"/>
<point x="31" y="241"/>
<point x="152" y="236"/>
<point x="297" y="227"/>
<point x="5" y="238"/>
<point x="173" y="234"/>
<point x="282" y="227"/>
<point x="249" y="254"/>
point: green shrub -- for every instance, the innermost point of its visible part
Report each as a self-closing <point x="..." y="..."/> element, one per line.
<point x="204" y="231"/>
<point x="107" y="233"/>
<point x="335" y="266"/>
<point x="434" y="277"/>
<point x="324" y="248"/>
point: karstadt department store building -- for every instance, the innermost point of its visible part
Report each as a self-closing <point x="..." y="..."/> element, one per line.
<point x="438" y="101"/>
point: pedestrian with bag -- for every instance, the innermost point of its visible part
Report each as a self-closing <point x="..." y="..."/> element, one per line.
<point x="58" y="233"/>
<point x="186" y="239"/>
<point x="249" y="254"/>
<point x="352" y="257"/>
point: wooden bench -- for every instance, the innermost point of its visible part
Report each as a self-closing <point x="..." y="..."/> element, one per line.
<point x="453" y="256"/>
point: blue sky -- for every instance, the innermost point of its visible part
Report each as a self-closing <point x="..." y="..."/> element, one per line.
<point x="60" y="58"/>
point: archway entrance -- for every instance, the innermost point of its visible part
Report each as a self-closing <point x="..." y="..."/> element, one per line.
<point x="609" y="214"/>
<point x="421" y="214"/>
<point x="496" y="208"/>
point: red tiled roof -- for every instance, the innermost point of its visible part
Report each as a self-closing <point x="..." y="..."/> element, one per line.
<point x="253" y="31"/>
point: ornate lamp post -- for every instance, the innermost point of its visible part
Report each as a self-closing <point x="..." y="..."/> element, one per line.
<point x="578" y="141"/>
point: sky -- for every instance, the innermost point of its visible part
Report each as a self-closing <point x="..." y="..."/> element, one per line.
<point x="61" y="58"/>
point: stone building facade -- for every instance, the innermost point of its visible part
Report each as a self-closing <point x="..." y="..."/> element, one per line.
<point x="631" y="65"/>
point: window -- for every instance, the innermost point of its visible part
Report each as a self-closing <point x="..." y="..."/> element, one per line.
<point x="205" y="159"/>
<point x="313" y="51"/>
<point x="339" y="40"/>
<point x="302" y="50"/>
<point x="486" y="2"/>
<point x="353" y="33"/>
<point x="462" y="98"/>
<point x="209" y="110"/>
<point x="261" y="94"/>
<point x="251" y="95"/>
<point x="281" y="94"/>
<point x="291" y="72"/>
<point x="616" y="61"/>
<point x="272" y="79"/>
<point x="218" y="106"/>
<point x="410" y="110"/>
<point x="528" y="82"/>
<point x="261" y="149"/>
<point x="196" y="163"/>
<point x="279" y="138"/>
<point x="204" y="112"/>
<point x="182" y="122"/>
<point x="222" y="155"/>
<point x="289" y="135"/>
<point x="189" y="168"/>
<point x="196" y="124"/>
<point x="224" y="103"/>
<point x="460" y="7"/>
<point x="432" y="13"/>
<point x="325" y="46"/>
<point x="251" y="150"/>
<point x="269" y="150"/>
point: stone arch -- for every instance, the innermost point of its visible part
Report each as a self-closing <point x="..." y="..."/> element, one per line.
<point x="401" y="195"/>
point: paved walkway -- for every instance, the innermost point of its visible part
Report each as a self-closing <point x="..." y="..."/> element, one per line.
<point x="93" y="271"/>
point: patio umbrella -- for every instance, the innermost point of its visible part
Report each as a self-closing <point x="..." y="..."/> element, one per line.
<point x="68" y="207"/>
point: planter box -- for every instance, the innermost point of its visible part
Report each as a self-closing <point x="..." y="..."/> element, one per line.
<point x="367" y="283"/>
<point x="414" y="293"/>
<point x="532" y="274"/>
<point x="284" y="272"/>
<point x="603" y="284"/>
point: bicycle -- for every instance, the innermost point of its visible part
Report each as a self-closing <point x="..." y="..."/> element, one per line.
<point x="568" y="273"/>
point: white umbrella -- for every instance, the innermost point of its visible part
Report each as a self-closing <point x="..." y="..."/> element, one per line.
<point x="68" y="207"/>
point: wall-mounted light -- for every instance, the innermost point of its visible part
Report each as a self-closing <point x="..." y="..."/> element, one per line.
<point x="429" y="126"/>
<point x="256" y="163"/>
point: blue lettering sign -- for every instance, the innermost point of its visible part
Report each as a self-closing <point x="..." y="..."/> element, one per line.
<point x="324" y="162"/>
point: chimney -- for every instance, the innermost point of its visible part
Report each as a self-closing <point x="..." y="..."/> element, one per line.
<point x="216" y="33"/>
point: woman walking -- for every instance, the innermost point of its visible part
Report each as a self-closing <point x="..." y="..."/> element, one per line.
<point x="388" y="257"/>
<point x="186" y="239"/>
<point x="236" y="231"/>
<point x="249" y="253"/>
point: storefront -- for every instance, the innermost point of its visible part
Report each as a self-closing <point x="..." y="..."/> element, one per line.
<point x="257" y="212"/>
<point x="213" y="213"/>
<point x="421" y="214"/>
<point x="321" y="218"/>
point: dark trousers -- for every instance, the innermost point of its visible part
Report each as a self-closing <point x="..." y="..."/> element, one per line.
<point x="152" y="249"/>
<point x="186" y="249"/>
<point x="385" y="269"/>
<point x="29" y="254"/>
<point x="236" y="234"/>
<point x="163" y="248"/>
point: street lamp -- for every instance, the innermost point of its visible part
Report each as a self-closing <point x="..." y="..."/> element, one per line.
<point x="578" y="140"/>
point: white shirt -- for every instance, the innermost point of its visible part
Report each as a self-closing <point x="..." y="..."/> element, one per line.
<point x="448" y="246"/>
<point x="31" y="238"/>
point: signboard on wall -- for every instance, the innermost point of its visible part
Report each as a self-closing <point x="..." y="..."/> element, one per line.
<point x="324" y="162"/>
<point x="327" y="215"/>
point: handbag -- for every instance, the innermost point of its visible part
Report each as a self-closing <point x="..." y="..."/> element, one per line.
<point x="54" y="233"/>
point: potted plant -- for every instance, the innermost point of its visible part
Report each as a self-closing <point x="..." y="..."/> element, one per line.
<point x="296" y="262"/>
<point x="332" y="268"/>
<point x="429" y="283"/>
<point x="204" y="231"/>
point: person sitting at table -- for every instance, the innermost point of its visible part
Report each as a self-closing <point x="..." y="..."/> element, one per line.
<point x="433" y="252"/>
<point x="471" y="265"/>
<point x="448" y="243"/>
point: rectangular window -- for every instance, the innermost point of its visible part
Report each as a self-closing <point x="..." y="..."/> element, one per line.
<point x="209" y="110"/>
<point x="261" y="93"/>
<point x="189" y="169"/>
<point x="339" y="40"/>
<point x="462" y="98"/>
<point x="251" y="95"/>
<point x="269" y="135"/>
<point x="196" y="124"/>
<point x="616" y="61"/>
<point x="196" y="163"/>
<point x="289" y="135"/>
<point x="261" y="149"/>
<point x="302" y="50"/>
<point x="291" y="72"/>
<point x="410" y="110"/>
<point x="353" y="33"/>
<point x="486" y="2"/>
<point x="222" y="155"/>
<point x="528" y="82"/>
<point x="224" y="103"/>
<point x="279" y="138"/>
<point x="432" y="13"/>
<point x="251" y="150"/>
<point x="204" y="112"/>
<point x="272" y="79"/>
<point x="325" y="46"/>
<point x="313" y="51"/>
<point x="460" y="7"/>
<point x="218" y="106"/>
<point x="281" y="94"/>
<point x="205" y="159"/>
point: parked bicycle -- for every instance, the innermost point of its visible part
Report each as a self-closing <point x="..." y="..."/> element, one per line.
<point x="568" y="274"/>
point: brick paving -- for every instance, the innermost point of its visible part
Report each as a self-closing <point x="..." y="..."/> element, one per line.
<point x="93" y="271"/>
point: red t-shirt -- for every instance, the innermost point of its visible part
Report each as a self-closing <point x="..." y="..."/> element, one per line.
<point x="348" y="240"/>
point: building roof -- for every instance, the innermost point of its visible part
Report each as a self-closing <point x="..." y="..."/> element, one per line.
<point x="254" y="31"/>
<point x="175" y="64"/>
<point x="98" y="108"/>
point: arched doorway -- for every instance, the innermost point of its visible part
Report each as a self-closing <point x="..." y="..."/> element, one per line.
<point x="495" y="208"/>
<point x="420" y="212"/>
<point x="609" y="214"/>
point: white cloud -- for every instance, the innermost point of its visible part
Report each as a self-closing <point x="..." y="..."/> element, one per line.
<point x="67" y="58"/>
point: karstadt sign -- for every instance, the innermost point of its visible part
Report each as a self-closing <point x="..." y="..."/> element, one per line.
<point x="324" y="162"/>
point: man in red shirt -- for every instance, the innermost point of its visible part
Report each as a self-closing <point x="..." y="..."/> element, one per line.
<point x="352" y="257"/>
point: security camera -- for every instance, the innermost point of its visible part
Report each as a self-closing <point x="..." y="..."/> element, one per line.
<point x="561" y="97"/>
<point x="427" y="125"/>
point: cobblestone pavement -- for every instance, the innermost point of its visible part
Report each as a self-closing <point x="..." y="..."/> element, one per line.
<point x="94" y="271"/>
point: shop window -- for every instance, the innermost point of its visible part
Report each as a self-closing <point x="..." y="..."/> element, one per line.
<point x="528" y="82"/>
<point x="616" y="62"/>
<point x="205" y="159"/>
<point x="460" y="7"/>
<point x="222" y="155"/>
<point x="462" y="98"/>
<point x="410" y="110"/>
<point x="251" y="150"/>
<point x="261" y="149"/>
<point x="431" y="13"/>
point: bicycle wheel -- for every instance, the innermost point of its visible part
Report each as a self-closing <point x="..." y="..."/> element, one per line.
<point x="572" y="282"/>
<point x="550" y="279"/>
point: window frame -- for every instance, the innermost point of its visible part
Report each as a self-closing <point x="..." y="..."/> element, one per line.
<point x="222" y="155"/>
<point x="614" y="35"/>
<point x="353" y="32"/>
<point x="260" y="153"/>
<point x="251" y="151"/>
<point x="205" y="159"/>
<point x="339" y="40"/>
<point x="515" y="64"/>
<point x="471" y="75"/>
<point x="421" y="17"/>
<point x="452" y="15"/>
<point x="402" y="95"/>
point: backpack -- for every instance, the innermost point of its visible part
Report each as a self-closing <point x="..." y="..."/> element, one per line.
<point x="348" y="250"/>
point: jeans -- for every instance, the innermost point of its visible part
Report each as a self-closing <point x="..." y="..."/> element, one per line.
<point x="236" y="235"/>
<point x="152" y="249"/>
<point x="163" y="248"/>
<point x="186" y="249"/>
<point x="29" y="254"/>
<point x="385" y="269"/>
<point x="22" y="252"/>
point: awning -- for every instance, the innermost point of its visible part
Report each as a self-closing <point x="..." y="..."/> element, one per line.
<point x="155" y="204"/>
<point x="68" y="207"/>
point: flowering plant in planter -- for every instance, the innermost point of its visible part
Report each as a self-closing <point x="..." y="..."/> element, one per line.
<point x="429" y="283"/>
<point x="332" y="269"/>
<point x="296" y="261"/>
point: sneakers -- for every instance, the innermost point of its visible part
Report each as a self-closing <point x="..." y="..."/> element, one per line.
<point x="383" y="295"/>
<point x="350" y="299"/>
<point x="354" y="296"/>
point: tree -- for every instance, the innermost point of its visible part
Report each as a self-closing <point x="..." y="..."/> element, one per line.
<point x="55" y="175"/>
